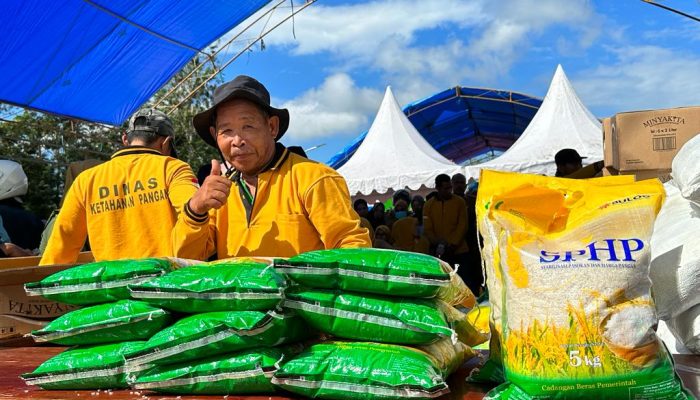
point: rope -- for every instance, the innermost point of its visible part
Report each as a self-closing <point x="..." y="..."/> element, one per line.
<point x="211" y="59"/>
<point x="143" y="28"/>
<point x="218" y="70"/>
<point x="672" y="10"/>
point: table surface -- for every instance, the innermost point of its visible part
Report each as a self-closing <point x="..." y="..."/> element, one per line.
<point x="19" y="360"/>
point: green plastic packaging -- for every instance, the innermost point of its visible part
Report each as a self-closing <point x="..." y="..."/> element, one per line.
<point x="361" y="370"/>
<point x="105" y="323"/>
<point x="99" y="282"/>
<point x="378" y="271"/>
<point x="82" y="368"/>
<point x="245" y="372"/>
<point x="234" y="286"/>
<point x="364" y="317"/>
<point x="203" y="335"/>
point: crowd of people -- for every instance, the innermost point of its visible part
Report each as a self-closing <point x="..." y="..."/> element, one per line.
<point x="442" y="224"/>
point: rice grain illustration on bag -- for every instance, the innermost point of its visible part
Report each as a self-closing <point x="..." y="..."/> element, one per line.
<point x="576" y="317"/>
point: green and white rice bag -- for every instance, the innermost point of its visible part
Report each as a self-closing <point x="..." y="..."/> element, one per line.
<point x="221" y="286"/>
<point x="361" y="370"/>
<point x="365" y="317"/>
<point x="98" y="282"/>
<point x="105" y="323"/>
<point x="82" y="368"/>
<point x="244" y="372"/>
<point x="204" y="335"/>
<point x="367" y="270"/>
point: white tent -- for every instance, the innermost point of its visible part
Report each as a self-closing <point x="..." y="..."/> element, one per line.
<point x="394" y="155"/>
<point x="561" y="122"/>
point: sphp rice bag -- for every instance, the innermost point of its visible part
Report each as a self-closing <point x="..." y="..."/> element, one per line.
<point x="105" y="323"/>
<point x="378" y="271"/>
<point x="490" y="184"/>
<point x="81" y="368"/>
<point x="365" y="317"/>
<point x="244" y="372"/>
<point x="361" y="370"/>
<point x="203" y="335"/>
<point x="98" y="282"/>
<point x="577" y="318"/>
<point x="224" y="286"/>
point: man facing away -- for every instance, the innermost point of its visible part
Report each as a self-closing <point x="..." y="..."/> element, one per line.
<point x="128" y="205"/>
<point x="271" y="202"/>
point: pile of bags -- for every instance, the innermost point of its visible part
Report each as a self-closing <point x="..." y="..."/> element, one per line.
<point x="392" y="316"/>
<point x="567" y="261"/>
<point x="203" y="329"/>
<point x="675" y="251"/>
<point x="332" y="323"/>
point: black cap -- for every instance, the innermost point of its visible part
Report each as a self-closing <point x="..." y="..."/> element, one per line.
<point x="567" y="156"/>
<point x="151" y="120"/>
<point x="242" y="87"/>
<point x="154" y="121"/>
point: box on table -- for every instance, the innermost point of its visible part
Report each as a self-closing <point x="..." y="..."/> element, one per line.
<point x="19" y="313"/>
<point x="664" y="175"/>
<point x="649" y="140"/>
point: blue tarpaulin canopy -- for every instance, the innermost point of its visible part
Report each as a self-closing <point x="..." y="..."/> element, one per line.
<point x="100" y="60"/>
<point x="464" y="123"/>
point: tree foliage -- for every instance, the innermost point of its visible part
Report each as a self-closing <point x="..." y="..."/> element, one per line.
<point x="45" y="144"/>
<point x="190" y="147"/>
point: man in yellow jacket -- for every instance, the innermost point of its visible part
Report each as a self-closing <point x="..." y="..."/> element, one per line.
<point x="270" y="202"/>
<point x="445" y="226"/>
<point x="128" y="205"/>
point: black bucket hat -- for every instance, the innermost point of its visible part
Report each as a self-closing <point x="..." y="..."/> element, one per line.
<point x="243" y="87"/>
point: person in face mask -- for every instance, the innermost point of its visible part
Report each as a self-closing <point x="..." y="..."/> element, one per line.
<point x="399" y="196"/>
<point x="401" y="209"/>
<point x="407" y="230"/>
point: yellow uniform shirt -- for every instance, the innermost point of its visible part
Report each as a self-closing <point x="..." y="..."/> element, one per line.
<point x="299" y="205"/>
<point x="446" y="220"/>
<point x="127" y="206"/>
<point x="408" y="236"/>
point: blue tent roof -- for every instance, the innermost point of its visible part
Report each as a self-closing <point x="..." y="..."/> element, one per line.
<point x="464" y="123"/>
<point x="100" y="60"/>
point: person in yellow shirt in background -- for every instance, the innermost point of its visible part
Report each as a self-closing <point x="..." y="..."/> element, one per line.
<point x="407" y="231"/>
<point x="128" y="205"/>
<point x="270" y="202"/>
<point x="445" y="226"/>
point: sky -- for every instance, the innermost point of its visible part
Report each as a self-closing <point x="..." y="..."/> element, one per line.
<point x="330" y="68"/>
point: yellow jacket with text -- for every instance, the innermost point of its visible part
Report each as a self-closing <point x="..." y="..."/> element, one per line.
<point x="446" y="221"/>
<point x="127" y="206"/>
<point x="299" y="205"/>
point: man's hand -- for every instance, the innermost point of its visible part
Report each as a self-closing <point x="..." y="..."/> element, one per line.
<point x="12" y="250"/>
<point x="213" y="193"/>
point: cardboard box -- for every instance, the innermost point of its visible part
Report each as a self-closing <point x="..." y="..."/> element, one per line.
<point x="14" y="300"/>
<point x="607" y="142"/>
<point x="13" y="328"/>
<point x="664" y="175"/>
<point x="19" y="313"/>
<point x="33" y="261"/>
<point x="648" y="140"/>
<point x="15" y="272"/>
